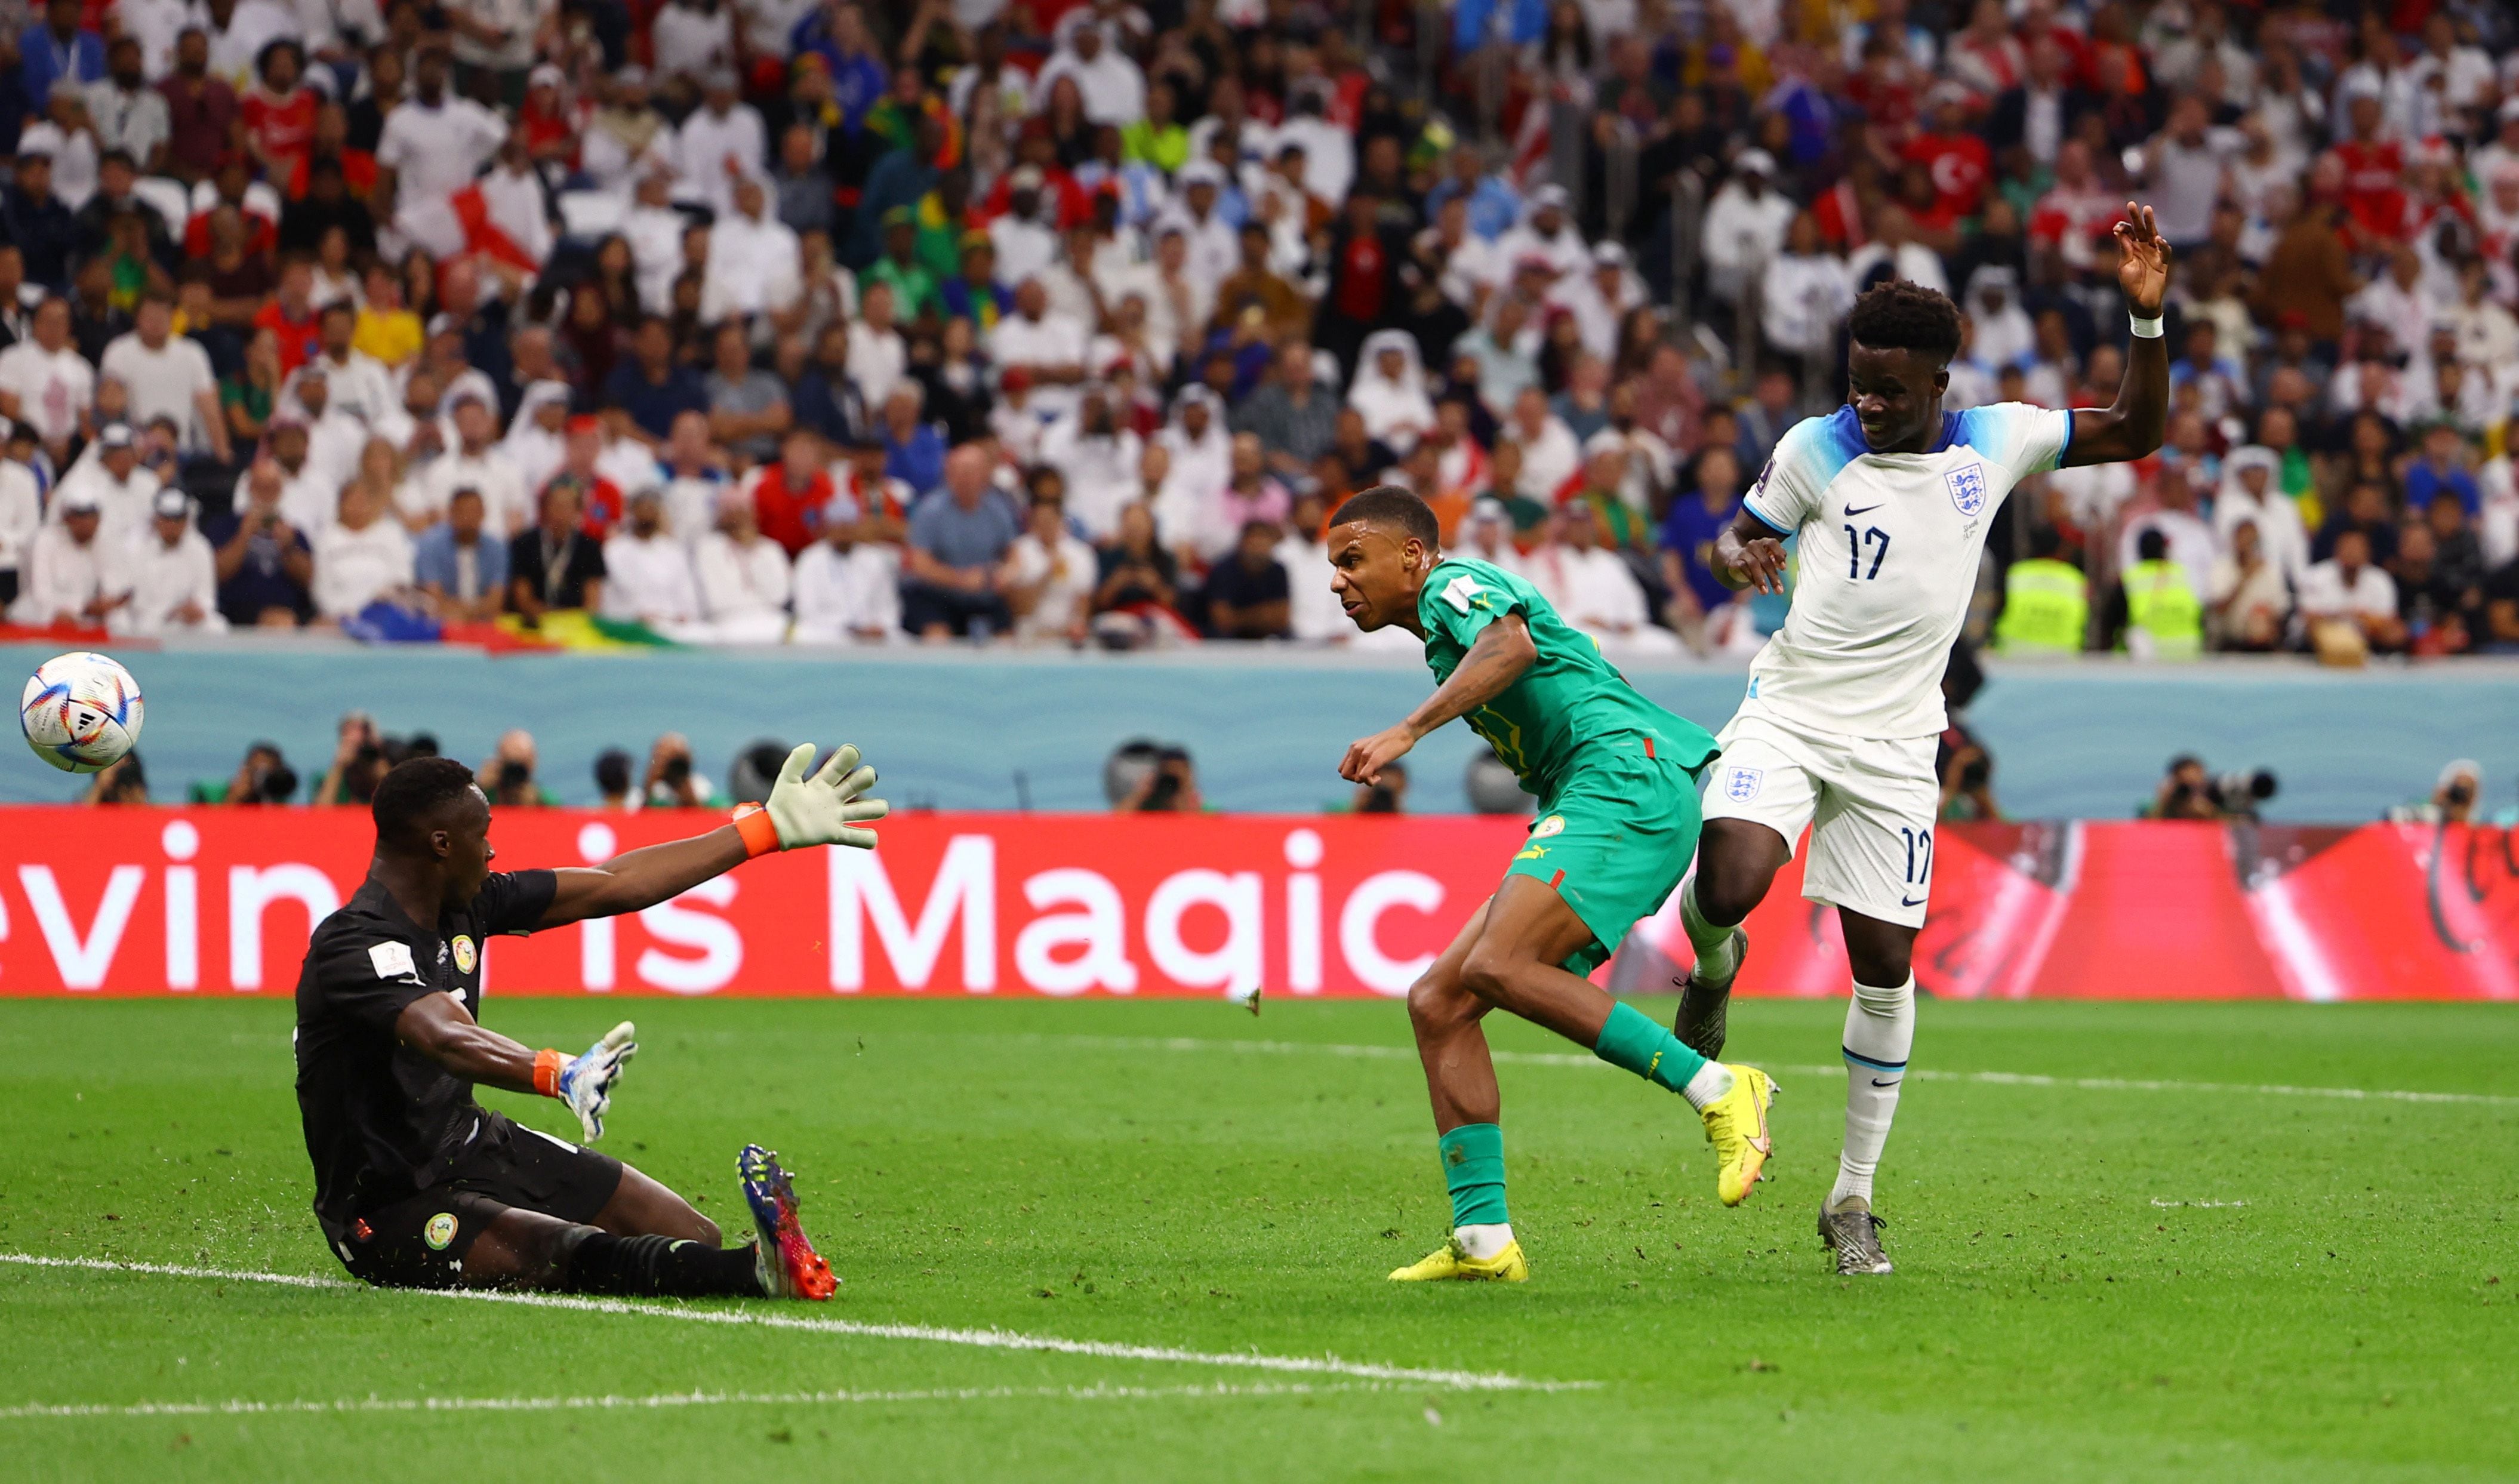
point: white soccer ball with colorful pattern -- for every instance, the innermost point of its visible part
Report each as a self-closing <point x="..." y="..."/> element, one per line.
<point x="82" y="712"/>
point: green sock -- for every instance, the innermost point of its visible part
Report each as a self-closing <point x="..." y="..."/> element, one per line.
<point x="1474" y="1170"/>
<point x="1634" y="1040"/>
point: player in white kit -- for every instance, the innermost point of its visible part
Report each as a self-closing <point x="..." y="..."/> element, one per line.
<point x="1892" y="498"/>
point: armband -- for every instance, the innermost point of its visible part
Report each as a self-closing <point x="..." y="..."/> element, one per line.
<point x="547" y="1067"/>
<point x="759" y="831"/>
<point x="2147" y="330"/>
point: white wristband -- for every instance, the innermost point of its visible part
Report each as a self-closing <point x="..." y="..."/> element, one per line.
<point x="2147" y="330"/>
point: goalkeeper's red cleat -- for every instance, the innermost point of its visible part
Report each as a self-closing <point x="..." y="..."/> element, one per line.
<point x="789" y="1266"/>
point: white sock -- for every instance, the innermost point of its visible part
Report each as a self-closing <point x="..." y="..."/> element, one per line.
<point x="1712" y="1083"/>
<point x="1880" y="1030"/>
<point x="1483" y="1240"/>
<point x="1716" y="954"/>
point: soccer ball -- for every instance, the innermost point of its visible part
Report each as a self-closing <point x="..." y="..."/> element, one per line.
<point x="80" y="712"/>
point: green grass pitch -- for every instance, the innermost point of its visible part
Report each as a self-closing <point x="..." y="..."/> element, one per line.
<point x="2242" y="1280"/>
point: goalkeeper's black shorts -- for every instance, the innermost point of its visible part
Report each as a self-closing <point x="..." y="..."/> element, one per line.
<point x="420" y="1241"/>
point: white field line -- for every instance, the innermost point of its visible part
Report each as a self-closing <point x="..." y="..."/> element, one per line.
<point x="673" y="1399"/>
<point x="1924" y="1073"/>
<point x="986" y="1339"/>
<point x="2199" y="1205"/>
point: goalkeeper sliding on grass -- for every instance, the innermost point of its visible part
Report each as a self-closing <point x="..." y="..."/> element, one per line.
<point x="418" y="1185"/>
<point x="1617" y="780"/>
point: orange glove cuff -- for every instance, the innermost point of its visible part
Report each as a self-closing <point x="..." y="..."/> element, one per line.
<point x="760" y="833"/>
<point x="546" y="1065"/>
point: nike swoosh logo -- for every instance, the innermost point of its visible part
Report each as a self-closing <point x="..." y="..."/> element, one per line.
<point x="1866" y="510"/>
<point x="1876" y="1083"/>
<point x="1917" y="903"/>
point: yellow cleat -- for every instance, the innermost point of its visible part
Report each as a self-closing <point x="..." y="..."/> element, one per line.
<point x="1736" y="1125"/>
<point x="1449" y="1261"/>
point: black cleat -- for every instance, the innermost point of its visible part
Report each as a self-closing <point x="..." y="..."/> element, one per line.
<point x="1853" y="1233"/>
<point x="1704" y="1005"/>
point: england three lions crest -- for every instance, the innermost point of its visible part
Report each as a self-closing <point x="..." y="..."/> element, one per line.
<point x="1742" y="784"/>
<point x="1968" y="487"/>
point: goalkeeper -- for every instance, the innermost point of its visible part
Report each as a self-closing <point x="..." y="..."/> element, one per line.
<point x="418" y="1185"/>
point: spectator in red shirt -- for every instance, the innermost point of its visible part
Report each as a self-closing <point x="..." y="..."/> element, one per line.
<point x="1957" y="158"/>
<point x="291" y="314"/>
<point x="788" y="495"/>
<point x="1364" y="293"/>
<point x="2374" y="171"/>
<point x="278" y="114"/>
<point x="235" y="179"/>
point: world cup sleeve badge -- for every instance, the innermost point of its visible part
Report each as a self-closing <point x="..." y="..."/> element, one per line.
<point x="1968" y="487"/>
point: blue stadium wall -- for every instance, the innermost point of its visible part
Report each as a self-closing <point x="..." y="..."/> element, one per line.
<point x="970" y="731"/>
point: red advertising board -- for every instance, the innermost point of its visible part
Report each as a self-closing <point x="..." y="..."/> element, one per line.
<point x="220" y="901"/>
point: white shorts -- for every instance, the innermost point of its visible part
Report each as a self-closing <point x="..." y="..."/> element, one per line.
<point x="1870" y="805"/>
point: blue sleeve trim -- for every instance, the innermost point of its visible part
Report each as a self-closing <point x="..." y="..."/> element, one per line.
<point x="1764" y="518"/>
<point x="2066" y="445"/>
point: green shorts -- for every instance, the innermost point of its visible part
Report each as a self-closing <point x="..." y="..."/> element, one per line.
<point x="1613" y="839"/>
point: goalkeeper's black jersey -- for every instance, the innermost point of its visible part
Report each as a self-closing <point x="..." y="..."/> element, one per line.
<point x="381" y="1118"/>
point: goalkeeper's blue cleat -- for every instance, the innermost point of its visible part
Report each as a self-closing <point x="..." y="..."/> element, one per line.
<point x="789" y="1266"/>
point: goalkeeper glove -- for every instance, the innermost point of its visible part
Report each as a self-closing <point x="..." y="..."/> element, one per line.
<point x="585" y="1083"/>
<point x="823" y="810"/>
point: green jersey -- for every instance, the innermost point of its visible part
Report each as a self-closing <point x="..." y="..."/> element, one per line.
<point x="1568" y="700"/>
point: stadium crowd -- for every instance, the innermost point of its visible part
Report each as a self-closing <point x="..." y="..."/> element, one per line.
<point x="1068" y="321"/>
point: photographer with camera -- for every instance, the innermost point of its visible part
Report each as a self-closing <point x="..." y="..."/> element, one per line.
<point x="671" y="784"/>
<point x="263" y="777"/>
<point x="1147" y="777"/>
<point x="358" y="765"/>
<point x="508" y="775"/>
<point x="2457" y="798"/>
<point x="2186" y="792"/>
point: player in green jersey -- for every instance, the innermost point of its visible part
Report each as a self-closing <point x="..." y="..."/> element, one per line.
<point x="1615" y="776"/>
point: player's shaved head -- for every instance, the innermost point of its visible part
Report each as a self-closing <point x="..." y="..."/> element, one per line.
<point x="1901" y="316"/>
<point x="420" y="798"/>
<point x="1391" y="507"/>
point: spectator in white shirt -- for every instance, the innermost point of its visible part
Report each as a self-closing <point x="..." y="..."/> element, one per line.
<point x="361" y="557"/>
<point x="2349" y="604"/>
<point x="721" y="142"/>
<point x="174" y="579"/>
<point x="1114" y="88"/>
<point x="169" y="376"/>
<point x="1548" y="233"/>
<point x="434" y="143"/>
<point x="45" y="383"/>
<point x="1050" y="349"/>
<point x="1550" y="454"/>
<point x="22" y="516"/>
<point x="2248" y="495"/>
<point x="2251" y="604"/>
<point x="1390" y="391"/>
<point x="692" y="39"/>
<point x="744" y="577"/>
<point x="647" y="575"/>
<point x="111" y="474"/>
<point x="754" y="260"/>
<point x="476" y="462"/>
<point x="1099" y="458"/>
<point x="877" y="354"/>
<point x="848" y="590"/>
<point x="1745" y="225"/>
<point x="1592" y="589"/>
<point x="72" y="577"/>
<point x="1022" y="245"/>
<point x="1048" y="578"/>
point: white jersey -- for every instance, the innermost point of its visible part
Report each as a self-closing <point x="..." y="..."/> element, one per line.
<point x="1889" y="559"/>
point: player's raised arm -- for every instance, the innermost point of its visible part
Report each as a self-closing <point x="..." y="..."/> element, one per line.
<point x="1749" y="554"/>
<point x="1497" y="657"/>
<point x="826" y="808"/>
<point x="2131" y="427"/>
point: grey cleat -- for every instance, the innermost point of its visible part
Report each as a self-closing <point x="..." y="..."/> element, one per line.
<point x="1704" y="1005"/>
<point x="1853" y="1233"/>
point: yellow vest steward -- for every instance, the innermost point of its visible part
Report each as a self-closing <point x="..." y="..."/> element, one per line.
<point x="2160" y="603"/>
<point x="2045" y="609"/>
